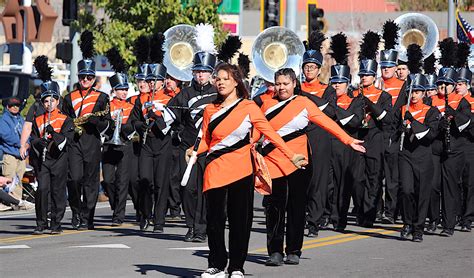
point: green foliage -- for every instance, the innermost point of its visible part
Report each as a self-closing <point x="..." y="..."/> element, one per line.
<point x="126" y="20"/>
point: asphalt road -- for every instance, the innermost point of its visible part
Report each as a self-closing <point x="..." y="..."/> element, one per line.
<point x="127" y="252"/>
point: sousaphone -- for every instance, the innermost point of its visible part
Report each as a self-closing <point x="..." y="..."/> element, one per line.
<point x="276" y="48"/>
<point x="418" y="29"/>
<point x="180" y="47"/>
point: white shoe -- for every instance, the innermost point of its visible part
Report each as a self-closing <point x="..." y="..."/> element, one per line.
<point x="25" y="205"/>
<point x="236" y="274"/>
<point x="213" y="273"/>
<point x="4" y="207"/>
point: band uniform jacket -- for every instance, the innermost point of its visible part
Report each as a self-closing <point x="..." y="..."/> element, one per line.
<point x="118" y="106"/>
<point x="161" y="125"/>
<point x="290" y="119"/>
<point x="64" y="132"/>
<point x="226" y="138"/>
<point x="459" y="125"/>
<point x="81" y="103"/>
<point x="188" y="121"/>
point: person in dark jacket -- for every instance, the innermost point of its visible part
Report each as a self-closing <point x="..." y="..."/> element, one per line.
<point x="194" y="98"/>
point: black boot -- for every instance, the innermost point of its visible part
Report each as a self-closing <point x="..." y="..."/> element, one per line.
<point x="406" y="232"/>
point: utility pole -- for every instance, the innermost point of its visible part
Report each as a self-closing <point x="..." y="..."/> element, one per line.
<point x="451" y="19"/>
<point x="26" y="57"/>
<point x="291" y="14"/>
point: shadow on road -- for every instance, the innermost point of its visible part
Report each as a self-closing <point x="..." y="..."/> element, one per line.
<point x="168" y="270"/>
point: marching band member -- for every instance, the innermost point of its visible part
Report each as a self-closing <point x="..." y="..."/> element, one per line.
<point x="153" y="122"/>
<point x="90" y="107"/>
<point x="319" y="140"/>
<point x="418" y="124"/>
<point x="452" y="138"/>
<point x="393" y="86"/>
<point x="115" y="156"/>
<point x="463" y="88"/>
<point x="347" y="164"/>
<point x="51" y="133"/>
<point x="430" y="73"/>
<point x="173" y="88"/>
<point x="195" y="97"/>
<point x="378" y="116"/>
<point x="226" y="129"/>
<point x="141" y="51"/>
<point x="289" y="114"/>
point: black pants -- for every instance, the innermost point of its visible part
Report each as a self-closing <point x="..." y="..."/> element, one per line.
<point x="154" y="179"/>
<point x="468" y="186"/>
<point x="52" y="177"/>
<point x="320" y="143"/>
<point x="233" y="202"/>
<point x="116" y="176"/>
<point x="415" y="178"/>
<point x="373" y="174"/>
<point x="288" y="196"/>
<point x="133" y="188"/>
<point x="84" y="180"/>
<point x="348" y="167"/>
<point x="194" y="203"/>
<point x="392" y="184"/>
<point x="174" y="199"/>
<point x="451" y="171"/>
<point x="434" y="211"/>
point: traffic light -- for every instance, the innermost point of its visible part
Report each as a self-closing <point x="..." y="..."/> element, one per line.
<point x="64" y="52"/>
<point x="69" y="12"/>
<point x="270" y="13"/>
<point x="316" y="19"/>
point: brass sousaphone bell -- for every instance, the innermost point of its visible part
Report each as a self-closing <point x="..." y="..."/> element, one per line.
<point x="416" y="28"/>
<point x="180" y="47"/>
<point x="276" y="48"/>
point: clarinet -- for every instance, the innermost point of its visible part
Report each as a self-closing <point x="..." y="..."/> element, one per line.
<point x="402" y="136"/>
<point x="45" y="135"/>
<point x="447" y="135"/>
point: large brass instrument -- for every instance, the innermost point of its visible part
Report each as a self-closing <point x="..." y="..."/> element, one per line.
<point x="79" y="121"/>
<point x="418" y="29"/>
<point x="180" y="46"/>
<point x="276" y="48"/>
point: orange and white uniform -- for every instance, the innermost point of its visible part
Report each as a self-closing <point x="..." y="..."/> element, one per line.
<point x="393" y="86"/>
<point x="290" y="119"/>
<point x="226" y="138"/>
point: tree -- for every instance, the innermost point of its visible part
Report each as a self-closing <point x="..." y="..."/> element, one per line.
<point x="124" y="21"/>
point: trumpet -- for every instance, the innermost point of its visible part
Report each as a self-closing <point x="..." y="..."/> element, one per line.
<point x="80" y="121"/>
<point x="115" y="140"/>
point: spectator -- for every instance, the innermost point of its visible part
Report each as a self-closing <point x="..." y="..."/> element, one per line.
<point x="11" y="125"/>
<point x="8" y="202"/>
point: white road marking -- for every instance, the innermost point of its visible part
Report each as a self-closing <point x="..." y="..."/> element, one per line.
<point x="110" y="246"/>
<point x="196" y="248"/>
<point x="15" y="247"/>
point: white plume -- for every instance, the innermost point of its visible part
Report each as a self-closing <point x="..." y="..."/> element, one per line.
<point x="205" y="38"/>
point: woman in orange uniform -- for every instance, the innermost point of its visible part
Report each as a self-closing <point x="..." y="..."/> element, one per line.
<point x="290" y="114"/>
<point x="226" y="129"/>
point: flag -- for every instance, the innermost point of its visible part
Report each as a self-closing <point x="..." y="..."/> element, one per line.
<point x="464" y="29"/>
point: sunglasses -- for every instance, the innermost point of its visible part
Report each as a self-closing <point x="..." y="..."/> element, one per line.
<point x="88" y="77"/>
<point x="443" y="83"/>
<point x="14" y="105"/>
